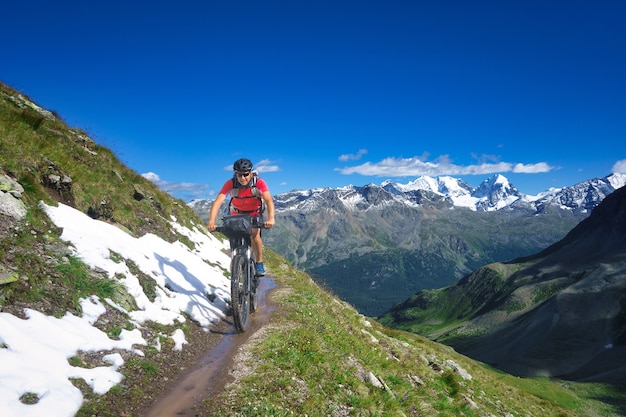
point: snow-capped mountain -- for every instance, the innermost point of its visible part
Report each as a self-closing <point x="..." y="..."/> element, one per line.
<point x="584" y="196"/>
<point x="454" y="189"/>
<point x="495" y="193"/>
<point x="399" y="238"/>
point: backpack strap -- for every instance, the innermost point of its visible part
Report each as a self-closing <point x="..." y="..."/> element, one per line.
<point x="256" y="193"/>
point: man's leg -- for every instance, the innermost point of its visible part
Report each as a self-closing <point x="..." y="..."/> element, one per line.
<point x="257" y="247"/>
<point x="257" y="244"/>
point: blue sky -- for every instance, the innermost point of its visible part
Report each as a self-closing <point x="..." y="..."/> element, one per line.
<point x="330" y="93"/>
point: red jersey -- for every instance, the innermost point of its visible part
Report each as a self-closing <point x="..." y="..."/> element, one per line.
<point x="245" y="201"/>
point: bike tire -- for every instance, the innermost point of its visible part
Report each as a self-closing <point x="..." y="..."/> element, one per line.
<point x="254" y="284"/>
<point x="240" y="292"/>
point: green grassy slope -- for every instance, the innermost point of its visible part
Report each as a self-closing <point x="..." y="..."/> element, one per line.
<point x="318" y="356"/>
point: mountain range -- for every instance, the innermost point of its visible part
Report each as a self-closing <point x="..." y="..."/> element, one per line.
<point x="318" y="355"/>
<point x="376" y="245"/>
<point x="558" y="313"/>
<point x="493" y="194"/>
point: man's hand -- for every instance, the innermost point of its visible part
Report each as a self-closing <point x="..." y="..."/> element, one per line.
<point x="268" y="224"/>
<point x="211" y="226"/>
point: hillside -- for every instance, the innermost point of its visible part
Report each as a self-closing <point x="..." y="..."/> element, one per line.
<point x="374" y="246"/>
<point x="80" y="230"/>
<point x="559" y="313"/>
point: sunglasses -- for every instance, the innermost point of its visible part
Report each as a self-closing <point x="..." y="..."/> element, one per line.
<point x="243" y="174"/>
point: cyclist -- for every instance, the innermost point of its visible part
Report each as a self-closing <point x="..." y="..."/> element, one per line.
<point x="248" y="194"/>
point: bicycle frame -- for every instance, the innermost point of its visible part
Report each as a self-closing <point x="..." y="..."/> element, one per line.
<point x="242" y="273"/>
<point x="243" y="278"/>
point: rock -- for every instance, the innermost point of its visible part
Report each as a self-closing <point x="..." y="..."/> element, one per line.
<point x="58" y="183"/>
<point x="11" y="186"/>
<point x="417" y="381"/>
<point x="470" y="403"/>
<point x="5" y="184"/>
<point x="24" y="103"/>
<point x="371" y="336"/>
<point x="7" y="276"/>
<point x="458" y="369"/>
<point x="11" y="206"/>
<point x="374" y="380"/>
<point x="10" y="194"/>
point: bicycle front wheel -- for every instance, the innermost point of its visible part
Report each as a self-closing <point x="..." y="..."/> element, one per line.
<point x="254" y="283"/>
<point x="240" y="292"/>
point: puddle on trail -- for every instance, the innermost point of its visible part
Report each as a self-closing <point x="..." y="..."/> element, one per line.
<point x="209" y="375"/>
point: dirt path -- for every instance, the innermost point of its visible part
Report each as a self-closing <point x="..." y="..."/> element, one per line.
<point x="211" y="373"/>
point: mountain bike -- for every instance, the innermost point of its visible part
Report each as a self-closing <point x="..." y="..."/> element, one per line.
<point x="243" y="280"/>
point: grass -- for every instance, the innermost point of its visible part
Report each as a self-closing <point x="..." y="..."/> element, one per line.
<point x="56" y="163"/>
<point x="605" y="400"/>
<point x="35" y="148"/>
<point x="318" y="355"/>
<point x="75" y="274"/>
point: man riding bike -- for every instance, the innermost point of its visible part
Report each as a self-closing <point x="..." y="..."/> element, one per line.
<point x="249" y="194"/>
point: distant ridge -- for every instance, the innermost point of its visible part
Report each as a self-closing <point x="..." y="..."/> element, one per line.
<point x="494" y="193"/>
<point x="375" y="245"/>
<point x="561" y="312"/>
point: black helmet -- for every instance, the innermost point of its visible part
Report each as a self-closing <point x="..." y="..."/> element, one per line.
<point x="242" y="164"/>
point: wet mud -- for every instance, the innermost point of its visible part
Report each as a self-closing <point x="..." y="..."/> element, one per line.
<point x="211" y="373"/>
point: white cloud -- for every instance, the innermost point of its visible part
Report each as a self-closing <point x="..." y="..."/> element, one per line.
<point x="537" y="168"/>
<point x="417" y="166"/>
<point x="265" y="165"/>
<point x="353" y="157"/>
<point x="619" y="167"/>
<point x="152" y="177"/>
<point x="186" y="191"/>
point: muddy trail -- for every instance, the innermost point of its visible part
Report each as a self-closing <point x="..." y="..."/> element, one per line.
<point x="209" y="376"/>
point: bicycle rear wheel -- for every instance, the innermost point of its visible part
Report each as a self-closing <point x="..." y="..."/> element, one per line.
<point x="240" y="292"/>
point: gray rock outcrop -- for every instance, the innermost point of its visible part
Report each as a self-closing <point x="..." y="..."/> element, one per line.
<point x="10" y="198"/>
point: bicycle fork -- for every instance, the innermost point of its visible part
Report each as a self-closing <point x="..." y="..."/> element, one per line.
<point x="250" y="286"/>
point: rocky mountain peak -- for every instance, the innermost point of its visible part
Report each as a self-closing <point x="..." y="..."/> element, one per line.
<point x="494" y="193"/>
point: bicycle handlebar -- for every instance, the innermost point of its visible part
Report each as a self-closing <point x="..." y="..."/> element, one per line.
<point x="257" y="226"/>
<point x="241" y="224"/>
